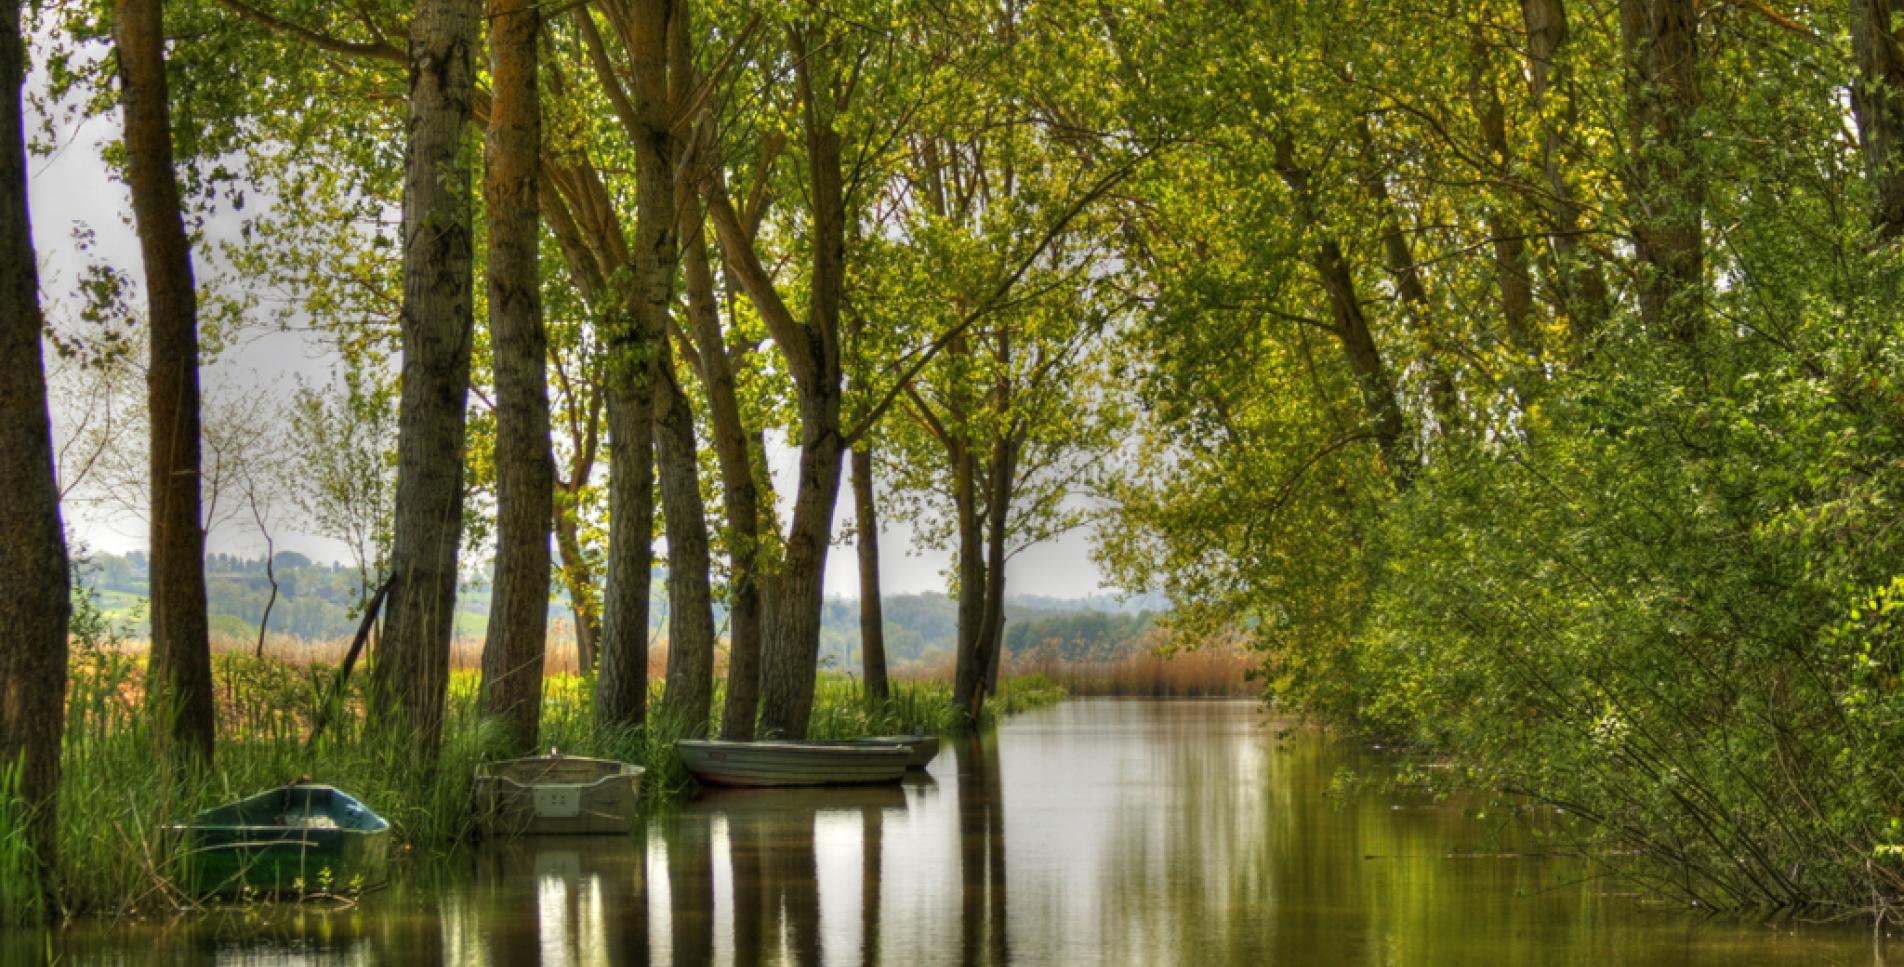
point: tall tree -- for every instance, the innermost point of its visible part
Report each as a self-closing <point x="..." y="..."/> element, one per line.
<point x="412" y="676"/>
<point x="1877" y="97"/>
<point x="811" y="349"/>
<point x="33" y="578"/>
<point x="691" y="632"/>
<point x="180" y="689"/>
<point x="525" y="472"/>
<point x="1580" y="287"/>
<point x="1664" y="186"/>
<point x="740" y="492"/>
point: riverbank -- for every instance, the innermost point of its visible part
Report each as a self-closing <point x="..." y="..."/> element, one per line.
<point x="115" y="805"/>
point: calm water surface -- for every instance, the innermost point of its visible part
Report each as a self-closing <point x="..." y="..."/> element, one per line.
<point x="1097" y="832"/>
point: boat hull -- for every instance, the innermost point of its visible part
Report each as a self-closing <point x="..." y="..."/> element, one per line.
<point x="294" y="840"/>
<point x="924" y="748"/>
<point x="557" y="796"/>
<point x="793" y="763"/>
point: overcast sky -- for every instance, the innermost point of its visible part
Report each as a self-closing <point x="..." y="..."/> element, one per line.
<point x="72" y="187"/>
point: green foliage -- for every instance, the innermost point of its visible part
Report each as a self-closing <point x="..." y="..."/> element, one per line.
<point x="1645" y="566"/>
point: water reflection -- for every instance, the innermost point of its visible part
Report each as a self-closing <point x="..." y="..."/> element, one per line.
<point x="1189" y="833"/>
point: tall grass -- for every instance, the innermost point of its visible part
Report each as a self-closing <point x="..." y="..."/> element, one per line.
<point x="117" y="803"/>
<point x="842" y="711"/>
<point x="20" y="886"/>
<point x="1201" y="673"/>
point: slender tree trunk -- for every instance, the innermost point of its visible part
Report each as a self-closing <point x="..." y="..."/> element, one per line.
<point x="1350" y="326"/>
<point x="578" y="579"/>
<point x="968" y="675"/>
<point x="1365" y="361"/>
<point x="411" y="679"/>
<point x="180" y="690"/>
<point x="1877" y="97"/>
<point x="1399" y="257"/>
<point x="872" y="623"/>
<point x="1665" y="190"/>
<point x="690" y="693"/>
<point x="621" y="688"/>
<point x="1512" y="277"/>
<point x="33" y="574"/>
<point x="741" y="498"/>
<point x="1001" y="479"/>
<point x="1580" y="285"/>
<point x="517" y="637"/>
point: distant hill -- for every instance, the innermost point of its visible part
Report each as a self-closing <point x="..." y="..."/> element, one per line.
<point x="319" y="602"/>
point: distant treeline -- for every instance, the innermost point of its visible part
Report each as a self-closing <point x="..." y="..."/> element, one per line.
<point x="321" y="602"/>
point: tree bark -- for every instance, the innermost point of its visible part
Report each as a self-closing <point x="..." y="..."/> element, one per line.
<point x="741" y="498"/>
<point x="690" y="692"/>
<point x="578" y="579"/>
<point x="410" y="680"/>
<point x="1001" y="477"/>
<point x="1511" y="275"/>
<point x="517" y="638"/>
<point x="621" y="688"/>
<point x="1350" y="325"/>
<point x="33" y="568"/>
<point x="1580" y="285"/>
<point x="872" y="623"/>
<point x="1665" y="190"/>
<point x="1877" y="98"/>
<point x="637" y="354"/>
<point x="180" y="677"/>
<point x="968" y="675"/>
<point x="1399" y="258"/>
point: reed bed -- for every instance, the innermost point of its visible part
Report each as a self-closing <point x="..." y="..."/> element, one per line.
<point x="1201" y="673"/>
<point x="117" y="802"/>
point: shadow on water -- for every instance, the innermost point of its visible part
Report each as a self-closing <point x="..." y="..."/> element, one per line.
<point x="1138" y="832"/>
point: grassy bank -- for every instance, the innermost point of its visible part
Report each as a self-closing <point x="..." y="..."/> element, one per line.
<point x="115" y="804"/>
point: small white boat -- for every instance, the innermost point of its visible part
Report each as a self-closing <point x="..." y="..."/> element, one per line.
<point x="556" y="794"/>
<point x="793" y="763"/>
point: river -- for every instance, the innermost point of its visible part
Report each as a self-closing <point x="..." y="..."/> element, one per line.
<point x="1096" y="832"/>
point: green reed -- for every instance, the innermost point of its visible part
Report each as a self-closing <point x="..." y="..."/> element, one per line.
<point x="120" y="797"/>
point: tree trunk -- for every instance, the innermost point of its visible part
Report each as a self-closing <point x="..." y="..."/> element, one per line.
<point x="1399" y="257"/>
<point x="1665" y="190"/>
<point x="791" y="650"/>
<point x="33" y="574"/>
<point x="1582" y="289"/>
<point x="792" y="646"/>
<point x="1365" y="361"/>
<point x="636" y="357"/>
<point x="410" y="680"/>
<point x="578" y="579"/>
<point x="741" y="498"/>
<point x="517" y="637"/>
<point x="1002" y="479"/>
<point x="180" y="677"/>
<point x="1512" y="278"/>
<point x="1877" y="97"/>
<point x="1350" y="326"/>
<point x="621" y="688"/>
<point x="690" y="607"/>
<point x="690" y="693"/>
<point x="968" y="676"/>
<point x="872" y="623"/>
